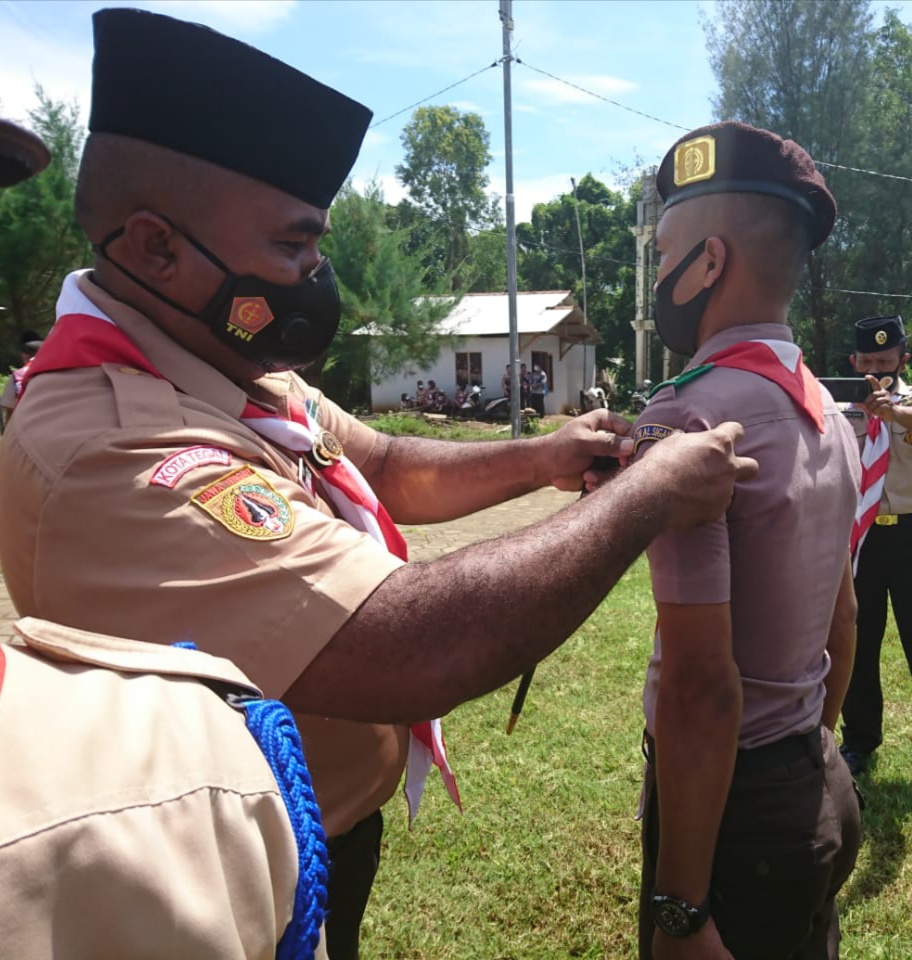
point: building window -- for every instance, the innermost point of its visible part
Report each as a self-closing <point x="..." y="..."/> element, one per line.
<point x="468" y="369"/>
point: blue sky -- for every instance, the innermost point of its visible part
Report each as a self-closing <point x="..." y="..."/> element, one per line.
<point x="647" y="55"/>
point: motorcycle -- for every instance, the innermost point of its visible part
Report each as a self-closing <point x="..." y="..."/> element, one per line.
<point x="593" y="399"/>
<point x="476" y="407"/>
<point x="639" y="398"/>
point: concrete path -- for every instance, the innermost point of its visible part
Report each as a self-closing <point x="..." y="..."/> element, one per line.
<point x="431" y="540"/>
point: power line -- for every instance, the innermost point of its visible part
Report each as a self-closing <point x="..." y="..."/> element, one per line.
<point x="677" y="126"/>
<point x="598" y="96"/>
<point x="873" y="173"/>
<point x="433" y="95"/>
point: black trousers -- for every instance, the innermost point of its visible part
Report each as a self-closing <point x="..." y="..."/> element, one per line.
<point x="787" y="843"/>
<point x="353" y="861"/>
<point x="884" y="567"/>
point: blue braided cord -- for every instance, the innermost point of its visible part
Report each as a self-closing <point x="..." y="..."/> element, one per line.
<point x="274" y="729"/>
<point x="276" y="734"/>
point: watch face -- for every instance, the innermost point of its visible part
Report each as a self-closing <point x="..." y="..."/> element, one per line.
<point x="672" y="918"/>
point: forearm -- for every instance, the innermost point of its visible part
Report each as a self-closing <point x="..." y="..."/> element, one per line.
<point x="428" y="481"/>
<point x="903" y="416"/>
<point x="434" y="635"/>
<point x="698" y="716"/>
<point x="841" y="648"/>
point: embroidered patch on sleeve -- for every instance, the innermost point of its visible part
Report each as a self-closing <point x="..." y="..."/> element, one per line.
<point x="650" y="431"/>
<point x="247" y="505"/>
<point x="170" y="470"/>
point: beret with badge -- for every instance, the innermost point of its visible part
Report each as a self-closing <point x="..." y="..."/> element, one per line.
<point x="732" y="157"/>
<point x="876" y="334"/>
<point x="193" y="90"/>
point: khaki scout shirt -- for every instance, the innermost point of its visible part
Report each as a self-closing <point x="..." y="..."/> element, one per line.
<point x="778" y="554"/>
<point x="100" y="532"/>
<point x="897" y="491"/>
<point x="138" y="816"/>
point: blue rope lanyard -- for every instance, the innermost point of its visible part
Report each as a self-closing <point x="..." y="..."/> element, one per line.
<point x="273" y="727"/>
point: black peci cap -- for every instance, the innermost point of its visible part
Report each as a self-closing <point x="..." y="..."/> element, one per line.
<point x="732" y="157"/>
<point x="188" y="88"/>
<point x="22" y="154"/>
<point x="875" y="334"/>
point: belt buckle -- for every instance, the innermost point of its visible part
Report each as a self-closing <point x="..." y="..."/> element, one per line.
<point x="886" y="520"/>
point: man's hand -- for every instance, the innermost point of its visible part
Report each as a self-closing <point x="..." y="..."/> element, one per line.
<point x="705" y="944"/>
<point x="879" y="403"/>
<point x="571" y="450"/>
<point x="699" y="471"/>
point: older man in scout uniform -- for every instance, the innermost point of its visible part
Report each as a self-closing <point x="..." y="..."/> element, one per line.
<point x="145" y="758"/>
<point x="759" y="822"/>
<point x="166" y="476"/>
<point x="882" y="535"/>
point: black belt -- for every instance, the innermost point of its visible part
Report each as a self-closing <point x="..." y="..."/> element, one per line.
<point x="787" y="750"/>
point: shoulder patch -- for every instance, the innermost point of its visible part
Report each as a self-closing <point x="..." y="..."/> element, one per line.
<point x="650" y="431"/>
<point x="247" y="504"/>
<point x="171" y="469"/>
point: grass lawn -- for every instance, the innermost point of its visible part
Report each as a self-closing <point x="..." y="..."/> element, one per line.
<point x="544" y="862"/>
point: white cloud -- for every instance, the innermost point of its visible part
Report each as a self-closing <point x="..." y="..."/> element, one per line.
<point x="467" y="106"/>
<point x="245" y="14"/>
<point x="555" y="91"/>
<point x="392" y="189"/>
<point x="62" y="68"/>
<point x="528" y="192"/>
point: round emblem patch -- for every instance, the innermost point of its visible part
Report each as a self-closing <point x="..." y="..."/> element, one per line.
<point x="255" y="510"/>
<point x="880" y="338"/>
<point x="246" y="503"/>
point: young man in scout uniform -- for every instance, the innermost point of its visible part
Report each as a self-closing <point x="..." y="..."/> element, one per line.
<point x="753" y="646"/>
<point x="166" y="476"/>
<point x="147" y="758"/>
<point x="882" y="536"/>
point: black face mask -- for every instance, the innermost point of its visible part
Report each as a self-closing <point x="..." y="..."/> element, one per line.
<point x="275" y="326"/>
<point x="677" y="323"/>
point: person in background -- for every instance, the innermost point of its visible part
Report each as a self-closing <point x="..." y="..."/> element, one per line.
<point x="165" y="397"/>
<point x="538" y="388"/>
<point x="29" y="342"/>
<point x="882" y="536"/>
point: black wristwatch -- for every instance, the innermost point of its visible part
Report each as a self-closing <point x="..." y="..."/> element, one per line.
<point x="677" y="917"/>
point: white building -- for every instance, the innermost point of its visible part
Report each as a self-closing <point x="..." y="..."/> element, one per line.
<point x="552" y="333"/>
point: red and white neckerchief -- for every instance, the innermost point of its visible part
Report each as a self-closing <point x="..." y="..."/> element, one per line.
<point x="84" y="336"/>
<point x="875" y="458"/>
<point x="19" y="376"/>
<point x="781" y="362"/>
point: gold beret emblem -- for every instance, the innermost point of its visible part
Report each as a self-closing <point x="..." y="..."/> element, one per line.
<point x="880" y="338"/>
<point x="326" y="448"/>
<point x="694" y="160"/>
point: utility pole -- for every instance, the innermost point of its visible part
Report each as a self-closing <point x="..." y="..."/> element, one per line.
<point x="506" y="19"/>
<point x="579" y="234"/>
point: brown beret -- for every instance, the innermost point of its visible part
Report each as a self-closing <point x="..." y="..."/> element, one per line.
<point x="732" y="157"/>
<point x="22" y="154"/>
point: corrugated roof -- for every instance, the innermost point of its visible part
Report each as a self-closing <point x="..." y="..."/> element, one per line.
<point x="486" y="314"/>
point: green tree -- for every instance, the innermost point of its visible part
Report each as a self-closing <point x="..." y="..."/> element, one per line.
<point x="40" y="240"/>
<point x="549" y="259"/>
<point x="802" y="68"/>
<point x="882" y="214"/>
<point x="446" y="155"/>
<point x="382" y="286"/>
